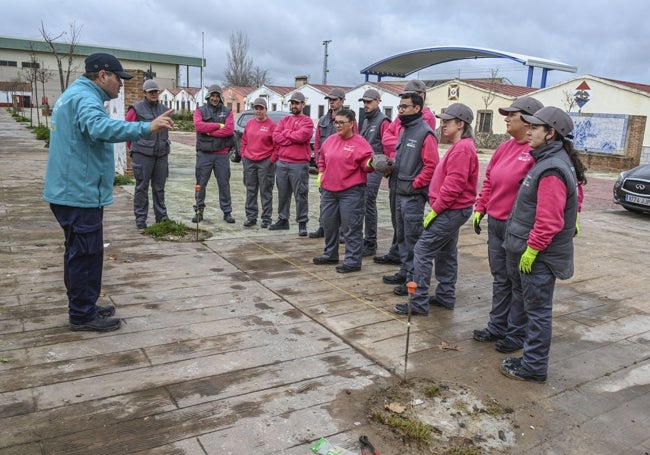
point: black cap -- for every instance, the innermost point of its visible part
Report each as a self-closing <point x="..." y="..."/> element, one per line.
<point x="106" y="62"/>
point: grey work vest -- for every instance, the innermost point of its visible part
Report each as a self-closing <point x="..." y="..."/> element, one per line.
<point x="408" y="160"/>
<point x="213" y="114"/>
<point x="371" y="129"/>
<point x="558" y="255"/>
<point x="158" y="143"/>
<point x="326" y="126"/>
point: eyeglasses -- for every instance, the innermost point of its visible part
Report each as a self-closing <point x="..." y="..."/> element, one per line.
<point x="403" y="107"/>
<point x="339" y="123"/>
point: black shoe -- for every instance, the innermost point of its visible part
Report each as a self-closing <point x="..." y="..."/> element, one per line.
<point x="302" y="229"/>
<point x="511" y="361"/>
<point x="318" y="233"/>
<point x="227" y="217"/>
<point x="394" y="279"/>
<point x="506" y="346"/>
<point x="484" y="335"/>
<point x="106" y="310"/>
<point x="514" y="371"/>
<point x="400" y="290"/>
<point x="249" y="223"/>
<point x="99" y="324"/>
<point x="141" y="225"/>
<point x="321" y="260"/>
<point x="280" y="225"/>
<point x="403" y="309"/>
<point x="386" y="259"/>
<point x="162" y="219"/>
<point x="347" y="268"/>
<point x="434" y="302"/>
<point x="265" y="224"/>
<point x="369" y="250"/>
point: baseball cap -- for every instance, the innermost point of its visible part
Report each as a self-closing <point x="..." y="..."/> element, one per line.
<point x="150" y="85"/>
<point x="458" y="111"/>
<point x="335" y="93"/>
<point x="526" y="104"/>
<point x="259" y="102"/>
<point x="370" y="95"/>
<point x="107" y="62"/>
<point x="414" y="86"/>
<point x="297" y="96"/>
<point x="553" y="117"/>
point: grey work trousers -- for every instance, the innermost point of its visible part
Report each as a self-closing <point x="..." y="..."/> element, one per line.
<point x="439" y="243"/>
<point x="147" y="170"/>
<point x="370" y="218"/>
<point x="292" y="179"/>
<point x="408" y="227"/>
<point x="343" y="211"/>
<point x="259" y="178"/>
<point x="219" y="164"/>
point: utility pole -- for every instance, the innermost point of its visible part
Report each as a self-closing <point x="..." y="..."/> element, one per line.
<point x="325" y="70"/>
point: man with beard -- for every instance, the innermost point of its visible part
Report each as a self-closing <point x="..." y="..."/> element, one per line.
<point x="215" y="129"/>
<point x="292" y="153"/>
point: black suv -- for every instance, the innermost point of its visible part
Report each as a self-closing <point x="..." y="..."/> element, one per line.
<point x="632" y="189"/>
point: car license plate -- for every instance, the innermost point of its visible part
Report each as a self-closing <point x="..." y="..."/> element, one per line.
<point x="637" y="200"/>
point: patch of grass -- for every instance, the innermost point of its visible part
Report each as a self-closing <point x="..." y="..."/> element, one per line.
<point x="463" y="450"/>
<point x="122" y="180"/>
<point x="42" y="133"/>
<point x="166" y="228"/>
<point x="432" y="391"/>
<point x="410" y="429"/>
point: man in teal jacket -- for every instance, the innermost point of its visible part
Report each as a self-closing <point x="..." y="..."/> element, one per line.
<point x="79" y="181"/>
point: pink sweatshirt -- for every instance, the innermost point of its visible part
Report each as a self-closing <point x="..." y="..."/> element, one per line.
<point x="455" y="179"/>
<point x="257" y="140"/>
<point x="291" y="137"/>
<point x="390" y="137"/>
<point x="343" y="162"/>
<point x="213" y="129"/>
<point x="509" y="164"/>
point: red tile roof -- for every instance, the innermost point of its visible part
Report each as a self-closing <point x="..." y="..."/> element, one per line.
<point x="504" y="89"/>
<point x="634" y="85"/>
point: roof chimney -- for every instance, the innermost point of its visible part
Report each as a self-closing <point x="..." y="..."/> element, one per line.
<point x="301" y="80"/>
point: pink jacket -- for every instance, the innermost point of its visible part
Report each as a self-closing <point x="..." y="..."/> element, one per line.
<point x="343" y="162"/>
<point x="455" y="179"/>
<point x="390" y="137"/>
<point x="257" y="140"/>
<point x="291" y="137"/>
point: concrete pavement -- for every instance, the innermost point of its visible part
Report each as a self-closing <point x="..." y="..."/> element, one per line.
<point x="241" y="345"/>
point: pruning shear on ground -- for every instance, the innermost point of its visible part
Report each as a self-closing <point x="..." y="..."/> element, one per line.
<point x="365" y="444"/>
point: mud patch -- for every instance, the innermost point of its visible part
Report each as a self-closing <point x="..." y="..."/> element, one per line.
<point x="446" y="418"/>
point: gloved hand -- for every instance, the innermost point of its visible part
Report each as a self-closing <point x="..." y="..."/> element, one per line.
<point x="429" y="218"/>
<point x="527" y="259"/>
<point x="381" y="163"/>
<point x="577" y="231"/>
<point x="320" y="175"/>
<point x="222" y="125"/>
<point x="476" y="222"/>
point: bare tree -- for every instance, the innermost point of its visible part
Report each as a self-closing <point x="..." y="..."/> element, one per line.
<point x="31" y="77"/>
<point x="483" y="120"/>
<point x="43" y="76"/>
<point x="67" y="55"/>
<point x="240" y="70"/>
<point x="568" y="100"/>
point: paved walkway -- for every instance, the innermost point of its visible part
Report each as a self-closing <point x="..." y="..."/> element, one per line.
<point x="241" y="345"/>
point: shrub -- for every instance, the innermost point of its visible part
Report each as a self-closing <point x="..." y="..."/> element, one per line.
<point x="122" y="180"/>
<point x="42" y="133"/>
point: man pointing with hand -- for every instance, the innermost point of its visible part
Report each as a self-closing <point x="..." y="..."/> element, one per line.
<point x="79" y="181"/>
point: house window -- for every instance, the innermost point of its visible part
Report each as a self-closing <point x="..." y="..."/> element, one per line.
<point x="484" y="121"/>
<point x="8" y="63"/>
<point x="230" y="106"/>
<point x="274" y="107"/>
<point x="238" y="108"/>
<point x="321" y="110"/>
<point x="31" y="65"/>
<point x="388" y="112"/>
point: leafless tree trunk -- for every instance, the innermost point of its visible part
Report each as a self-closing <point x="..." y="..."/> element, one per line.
<point x="482" y="136"/>
<point x="31" y="75"/>
<point x="68" y="54"/>
<point x="568" y="100"/>
<point x="239" y="70"/>
<point x="43" y="76"/>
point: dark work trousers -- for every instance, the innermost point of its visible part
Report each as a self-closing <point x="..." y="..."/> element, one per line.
<point x="370" y="219"/>
<point x="292" y="179"/>
<point x="343" y="211"/>
<point x="206" y="164"/>
<point x="259" y="178"/>
<point x="501" y="282"/>
<point x="83" y="258"/>
<point x="517" y="319"/>
<point x="537" y="290"/>
<point x="154" y="170"/>
<point x="393" y="251"/>
<point x="408" y="227"/>
<point x="439" y="243"/>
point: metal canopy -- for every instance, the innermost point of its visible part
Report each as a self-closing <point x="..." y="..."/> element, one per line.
<point x="401" y="65"/>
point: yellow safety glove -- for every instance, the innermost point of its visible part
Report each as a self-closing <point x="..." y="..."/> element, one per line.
<point x="320" y="175"/>
<point x="369" y="163"/>
<point x="476" y="222"/>
<point x="577" y="231"/>
<point x="429" y="218"/>
<point x="222" y="125"/>
<point x="527" y="259"/>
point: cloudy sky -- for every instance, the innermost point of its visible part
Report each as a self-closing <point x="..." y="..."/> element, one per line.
<point x="600" y="37"/>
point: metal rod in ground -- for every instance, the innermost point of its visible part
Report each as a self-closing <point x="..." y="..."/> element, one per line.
<point x="197" y="188"/>
<point x="411" y="287"/>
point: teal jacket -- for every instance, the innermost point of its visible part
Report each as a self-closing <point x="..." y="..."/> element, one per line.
<point x="81" y="164"/>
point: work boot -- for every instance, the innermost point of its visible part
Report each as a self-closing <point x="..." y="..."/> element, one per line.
<point x="318" y="233"/>
<point x="101" y="323"/>
<point x="302" y="229"/>
<point x="228" y="218"/>
<point x="198" y="216"/>
<point x="280" y="225"/>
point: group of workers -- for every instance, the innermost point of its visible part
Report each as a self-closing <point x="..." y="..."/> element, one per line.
<point x="531" y="193"/>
